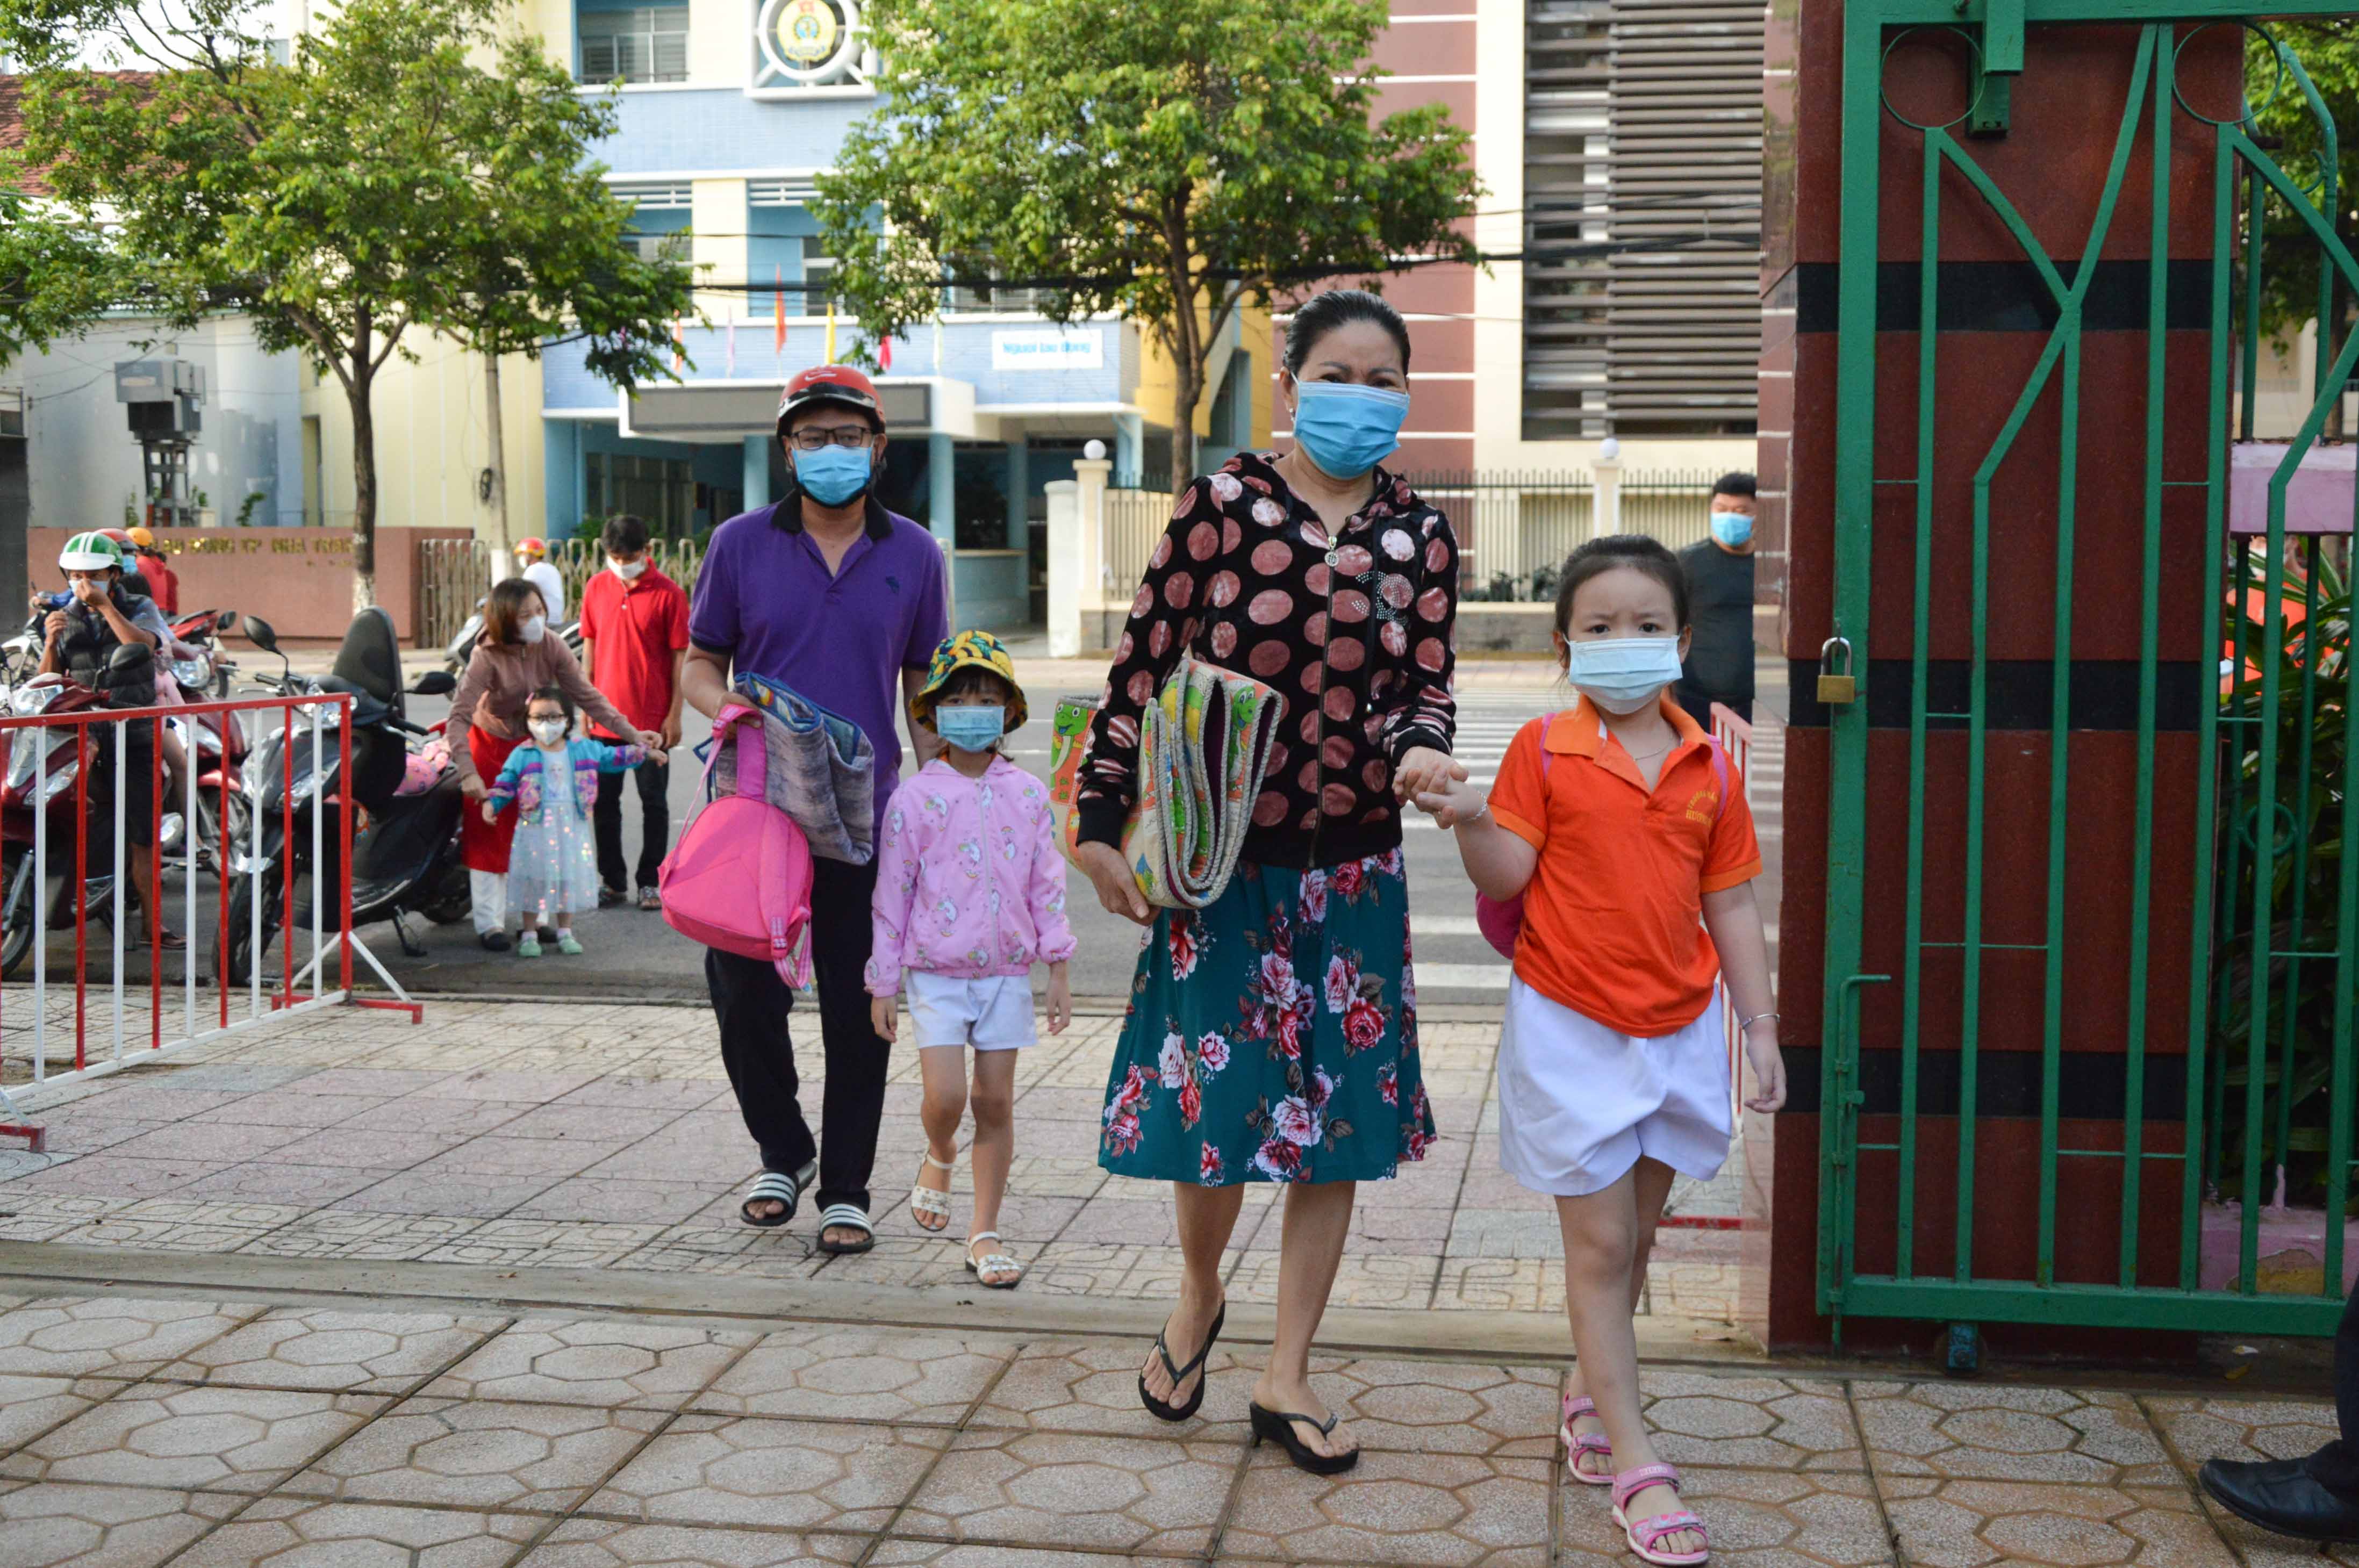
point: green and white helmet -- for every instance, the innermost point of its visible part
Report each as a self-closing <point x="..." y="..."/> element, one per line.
<point x="92" y="552"/>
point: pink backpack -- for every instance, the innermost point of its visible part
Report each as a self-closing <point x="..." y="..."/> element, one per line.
<point x="740" y="877"/>
<point x="1501" y="921"/>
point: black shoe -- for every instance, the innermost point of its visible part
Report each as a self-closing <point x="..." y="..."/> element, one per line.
<point x="2281" y="1496"/>
<point x="611" y="898"/>
<point x="496" y="942"/>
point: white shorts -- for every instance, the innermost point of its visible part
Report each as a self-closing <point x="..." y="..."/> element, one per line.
<point x="1580" y="1104"/>
<point x="993" y="1013"/>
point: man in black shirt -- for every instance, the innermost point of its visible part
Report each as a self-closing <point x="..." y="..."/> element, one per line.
<point x="1719" y="666"/>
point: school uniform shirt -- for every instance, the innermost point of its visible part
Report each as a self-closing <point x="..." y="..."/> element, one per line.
<point x="636" y="630"/>
<point x="1614" y="915"/>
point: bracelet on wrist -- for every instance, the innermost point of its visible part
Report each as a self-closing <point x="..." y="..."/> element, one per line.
<point x="1745" y="1024"/>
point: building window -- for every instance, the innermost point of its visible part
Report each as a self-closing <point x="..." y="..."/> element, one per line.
<point x="1642" y="218"/>
<point x="661" y="492"/>
<point x="646" y="43"/>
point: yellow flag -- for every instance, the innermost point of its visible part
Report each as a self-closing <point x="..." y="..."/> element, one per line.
<point x="830" y="331"/>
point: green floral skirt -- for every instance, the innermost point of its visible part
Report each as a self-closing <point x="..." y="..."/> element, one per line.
<point x="1272" y="1036"/>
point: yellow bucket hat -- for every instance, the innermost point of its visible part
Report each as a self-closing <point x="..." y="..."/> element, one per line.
<point x="967" y="650"/>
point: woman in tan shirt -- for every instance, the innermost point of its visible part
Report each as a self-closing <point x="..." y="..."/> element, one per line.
<point x="514" y="658"/>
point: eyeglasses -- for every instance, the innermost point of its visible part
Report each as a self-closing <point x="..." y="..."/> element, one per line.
<point x="820" y="440"/>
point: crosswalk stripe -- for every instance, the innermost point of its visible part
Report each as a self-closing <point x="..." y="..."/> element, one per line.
<point x="1462" y="977"/>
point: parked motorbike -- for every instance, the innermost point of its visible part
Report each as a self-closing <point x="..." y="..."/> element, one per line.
<point x="45" y="761"/>
<point x="404" y="847"/>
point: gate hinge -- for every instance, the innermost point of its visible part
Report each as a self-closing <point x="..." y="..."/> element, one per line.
<point x="1998" y="60"/>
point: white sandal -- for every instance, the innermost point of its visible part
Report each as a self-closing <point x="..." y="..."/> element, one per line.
<point x="926" y="1201"/>
<point x="993" y="1263"/>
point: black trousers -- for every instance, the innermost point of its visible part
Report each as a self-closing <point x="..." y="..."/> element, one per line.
<point x="752" y="1004"/>
<point x="2336" y="1465"/>
<point x="655" y="823"/>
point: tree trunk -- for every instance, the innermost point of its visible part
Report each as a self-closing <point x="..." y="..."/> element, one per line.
<point x="499" y="469"/>
<point x="1187" y="385"/>
<point x="364" y="487"/>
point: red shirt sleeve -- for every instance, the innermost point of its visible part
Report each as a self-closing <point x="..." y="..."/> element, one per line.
<point x="590" y="602"/>
<point x="676" y="631"/>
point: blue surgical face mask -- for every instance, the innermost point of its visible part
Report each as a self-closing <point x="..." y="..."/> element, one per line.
<point x="1347" y="428"/>
<point x="833" y="475"/>
<point x="970" y="728"/>
<point x="1623" y="674"/>
<point x="1734" y="529"/>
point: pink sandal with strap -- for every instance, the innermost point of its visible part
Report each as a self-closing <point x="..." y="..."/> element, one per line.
<point x="1643" y="1533"/>
<point x="1577" y="1443"/>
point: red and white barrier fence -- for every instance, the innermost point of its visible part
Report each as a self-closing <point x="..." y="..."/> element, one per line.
<point x="46" y="839"/>
<point x="1735" y="738"/>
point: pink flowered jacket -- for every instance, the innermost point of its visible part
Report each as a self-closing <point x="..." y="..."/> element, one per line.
<point x="969" y="881"/>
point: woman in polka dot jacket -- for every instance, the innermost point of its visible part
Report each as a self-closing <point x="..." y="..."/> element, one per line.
<point x="1272" y="1035"/>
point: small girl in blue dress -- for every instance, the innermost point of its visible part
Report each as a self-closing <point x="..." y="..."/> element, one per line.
<point x="553" y="783"/>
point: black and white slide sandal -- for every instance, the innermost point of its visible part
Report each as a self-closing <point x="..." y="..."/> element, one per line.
<point x="852" y="1216"/>
<point x="775" y="1186"/>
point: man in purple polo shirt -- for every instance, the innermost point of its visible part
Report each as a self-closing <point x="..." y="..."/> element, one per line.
<point x="829" y="593"/>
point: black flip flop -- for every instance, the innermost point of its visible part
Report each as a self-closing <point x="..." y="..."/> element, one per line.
<point x="782" y="1187"/>
<point x="1278" y="1426"/>
<point x="849" y="1217"/>
<point x="1180" y="1375"/>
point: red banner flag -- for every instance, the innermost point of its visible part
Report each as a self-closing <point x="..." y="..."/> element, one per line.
<point x="779" y="312"/>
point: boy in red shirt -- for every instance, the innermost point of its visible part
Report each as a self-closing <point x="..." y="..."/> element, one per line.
<point x="633" y="638"/>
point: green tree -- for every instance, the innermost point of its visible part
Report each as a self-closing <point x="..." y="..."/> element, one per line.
<point x="368" y="183"/>
<point x="55" y="275"/>
<point x="1167" y="160"/>
<point x="2328" y="51"/>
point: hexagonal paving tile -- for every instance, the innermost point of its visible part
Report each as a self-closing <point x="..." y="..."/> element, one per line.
<point x="1420" y="1508"/>
<point x="2205" y="1428"/>
<point x="1091" y="1385"/>
<point x="1760" y="1518"/>
<point x="57" y="1526"/>
<point x="899" y="1553"/>
<point x="725" y="1470"/>
<point x="357" y="1352"/>
<point x="848" y="1374"/>
<point x="165" y="1434"/>
<point x="485" y="1454"/>
<point x="64" y="1336"/>
<point x="294" y="1532"/>
<point x="607" y="1543"/>
<point x="588" y="1362"/>
<point x="1445" y="1407"/>
<point x="1038" y="1488"/>
<point x="1758" y="1423"/>
<point x="31" y="1406"/>
<point x="1965" y="1524"/>
<point x="2001" y="1434"/>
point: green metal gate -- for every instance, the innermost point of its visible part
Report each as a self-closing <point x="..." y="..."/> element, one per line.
<point x="2259" y="771"/>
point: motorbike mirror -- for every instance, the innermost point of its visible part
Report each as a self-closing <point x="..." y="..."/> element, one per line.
<point x="435" y="683"/>
<point x="258" y="632"/>
<point x="225" y="620"/>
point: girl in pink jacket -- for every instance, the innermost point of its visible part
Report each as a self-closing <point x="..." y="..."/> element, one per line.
<point x="970" y="895"/>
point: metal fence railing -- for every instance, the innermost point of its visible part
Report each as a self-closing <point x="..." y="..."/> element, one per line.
<point x="1514" y="529"/>
<point x="453" y="575"/>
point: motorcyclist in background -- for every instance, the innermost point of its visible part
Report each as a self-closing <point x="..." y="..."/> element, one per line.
<point x="78" y="641"/>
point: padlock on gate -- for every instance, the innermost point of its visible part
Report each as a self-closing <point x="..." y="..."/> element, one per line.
<point x="1837" y="688"/>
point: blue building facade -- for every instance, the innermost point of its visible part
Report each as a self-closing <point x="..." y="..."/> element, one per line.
<point x="723" y="128"/>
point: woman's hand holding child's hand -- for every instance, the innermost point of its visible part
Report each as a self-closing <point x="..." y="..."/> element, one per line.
<point x="1768" y="1065"/>
<point x="884" y="1015"/>
<point x="1453" y="801"/>
<point x="1422" y="768"/>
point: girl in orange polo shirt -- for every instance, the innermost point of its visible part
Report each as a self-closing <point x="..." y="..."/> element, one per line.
<point x="1621" y="827"/>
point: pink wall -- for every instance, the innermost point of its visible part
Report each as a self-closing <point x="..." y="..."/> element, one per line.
<point x="298" y="580"/>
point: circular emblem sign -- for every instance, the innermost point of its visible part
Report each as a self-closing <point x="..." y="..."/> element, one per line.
<point x="807" y="32"/>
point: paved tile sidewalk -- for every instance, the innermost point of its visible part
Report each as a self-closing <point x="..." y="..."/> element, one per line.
<point x="212" y="1434"/>
<point x="604" y="1137"/>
